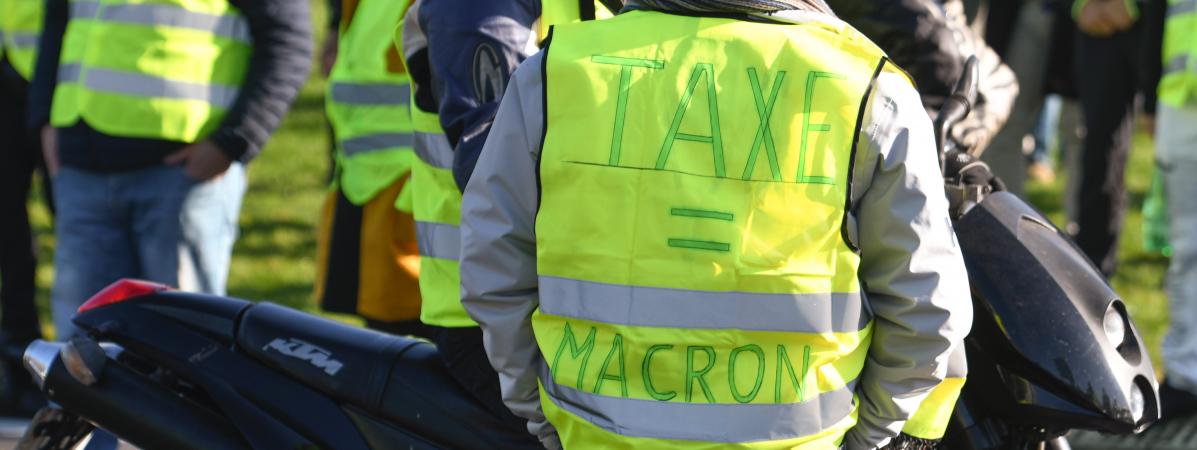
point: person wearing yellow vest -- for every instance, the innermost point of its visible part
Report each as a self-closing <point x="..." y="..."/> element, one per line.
<point x="1170" y="56"/>
<point x="460" y="54"/>
<point x="148" y="112"/>
<point x="713" y="224"/>
<point x="20" y="156"/>
<point x="367" y="257"/>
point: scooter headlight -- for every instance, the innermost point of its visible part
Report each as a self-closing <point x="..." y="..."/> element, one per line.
<point x="1137" y="403"/>
<point x="1115" y="326"/>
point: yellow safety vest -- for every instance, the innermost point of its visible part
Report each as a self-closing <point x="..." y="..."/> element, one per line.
<point x="64" y="109"/>
<point x="696" y="288"/>
<point x="437" y="201"/>
<point x="367" y="104"/>
<point x="168" y="69"/>
<point x="1179" y="83"/>
<point x="931" y="420"/>
<point x="20" y="27"/>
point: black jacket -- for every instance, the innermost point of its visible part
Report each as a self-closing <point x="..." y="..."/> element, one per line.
<point x="282" y="47"/>
<point x="915" y="36"/>
<point x="931" y="40"/>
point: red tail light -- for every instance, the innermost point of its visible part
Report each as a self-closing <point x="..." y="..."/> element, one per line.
<point x="120" y="291"/>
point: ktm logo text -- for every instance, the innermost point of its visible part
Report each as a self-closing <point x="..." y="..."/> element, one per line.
<point x="298" y="349"/>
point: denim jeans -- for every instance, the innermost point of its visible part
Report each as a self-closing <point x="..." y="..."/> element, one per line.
<point x="1176" y="154"/>
<point x="155" y="224"/>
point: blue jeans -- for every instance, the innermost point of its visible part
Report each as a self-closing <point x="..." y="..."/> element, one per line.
<point x="155" y="224"/>
<point x="1176" y="154"/>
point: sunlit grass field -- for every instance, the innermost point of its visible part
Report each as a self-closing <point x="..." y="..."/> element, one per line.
<point x="275" y="256"/>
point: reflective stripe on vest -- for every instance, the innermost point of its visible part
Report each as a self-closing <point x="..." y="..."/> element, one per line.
<point x="20" y="40"/>
<point x="81" y="9"/>
<point x="438" y="240"/>
<point x="1178" y="63"/>
<point x="367" y="103"/>
<point x="1182" y="7"/>
<point x="141" y="85"/>
<point x="696" y="287"/>
<point x="127" y="83"/>
<point x="675" y="308"/>
<point x="69" y="73"/>
<point x="375" y="142"/>
<point x="232" y="27"/>
<point x="1178" y="86"/>
<point x="370" y="94"/>
<point x="724" y="423"/>
<point x="430" y="152"/>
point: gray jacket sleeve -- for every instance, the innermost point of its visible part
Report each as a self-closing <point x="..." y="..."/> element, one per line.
<point x="498" y="246"/>
<point x="911" y="267"/>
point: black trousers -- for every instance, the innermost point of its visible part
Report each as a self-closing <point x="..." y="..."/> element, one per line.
<point x="1106" y="75"/>
<point x="462" y="352"/>
<point x="20" y="155"/>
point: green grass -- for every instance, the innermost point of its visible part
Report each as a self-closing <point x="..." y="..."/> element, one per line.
<point x="275" y="256"/>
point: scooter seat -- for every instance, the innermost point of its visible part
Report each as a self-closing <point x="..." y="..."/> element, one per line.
<point x="345" y="362"/>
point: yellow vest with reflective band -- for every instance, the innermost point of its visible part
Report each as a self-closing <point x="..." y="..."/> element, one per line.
<point x="65" y="111"/>
<point x="437" y="201"/>
<point x="367" y="104"/>
<point x="20" y="27"/>
<point x="696" y="289"/>
<point x="157" y="69"/>
<point x="1178" y="87"/>
<point x="931" y="420"/>
<point x="436" y="206"/>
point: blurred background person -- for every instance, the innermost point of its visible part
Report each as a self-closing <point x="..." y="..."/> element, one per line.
<point x="326" y="59"/>
<point x="20" y="156"/>
<point x="460" y="54"/>
<point x="1108" y="76"/>
<point x="931" y="40"/>
<point x="368" y="262"/>
<point x="1170" y="54"/>
<point x="1026" y="54"/>
<point x="147" y="113"/>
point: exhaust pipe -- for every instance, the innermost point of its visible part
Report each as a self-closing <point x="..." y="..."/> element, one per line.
<point x="128" y="404"/>
<point x="39" y="356"/>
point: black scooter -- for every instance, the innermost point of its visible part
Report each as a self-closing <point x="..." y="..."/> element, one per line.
<point x="1052" y="349"/>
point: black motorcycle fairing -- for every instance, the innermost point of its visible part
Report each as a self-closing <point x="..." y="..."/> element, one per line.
<point x="213" y="316"/>
<point x="1039" y="306"/>
<point x="269" y="408"/>
<point x="400" y="379"/>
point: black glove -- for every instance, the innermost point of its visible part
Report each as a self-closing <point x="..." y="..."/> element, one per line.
<point x="907" y="442"/>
